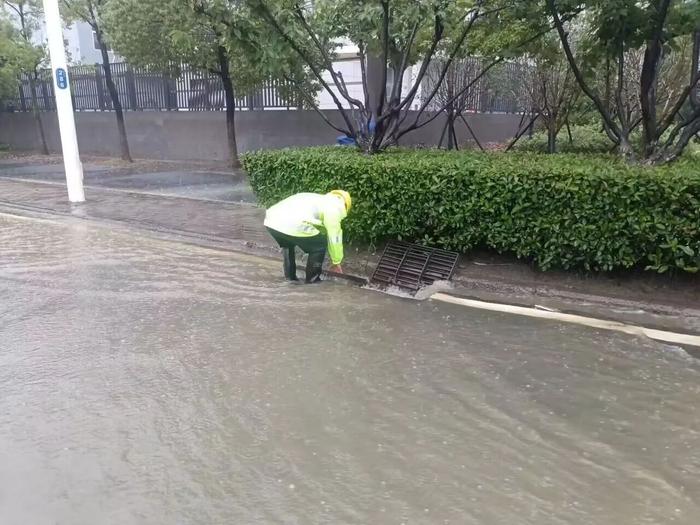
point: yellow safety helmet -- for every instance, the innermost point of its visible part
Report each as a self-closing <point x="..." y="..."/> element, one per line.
<point x="346" y="197"/>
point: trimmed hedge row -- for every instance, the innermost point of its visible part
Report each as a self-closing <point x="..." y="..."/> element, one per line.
<point x="560" y="211"/>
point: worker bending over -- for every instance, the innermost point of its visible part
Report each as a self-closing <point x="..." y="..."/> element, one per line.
<point x="312" y="222"/>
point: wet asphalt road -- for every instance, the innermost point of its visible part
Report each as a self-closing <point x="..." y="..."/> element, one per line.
<point x="152" y="382"/>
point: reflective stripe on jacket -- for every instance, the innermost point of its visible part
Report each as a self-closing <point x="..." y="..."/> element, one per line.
<point x="308" y="214"/>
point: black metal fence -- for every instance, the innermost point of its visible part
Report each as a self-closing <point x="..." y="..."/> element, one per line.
<point x="142" y="89"/>
<point x="502" y="90"/>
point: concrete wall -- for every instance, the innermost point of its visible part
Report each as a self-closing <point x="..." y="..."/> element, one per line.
<point x="202" y="135"/>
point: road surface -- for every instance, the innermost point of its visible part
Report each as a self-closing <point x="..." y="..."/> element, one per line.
<point x="145" y="381"/>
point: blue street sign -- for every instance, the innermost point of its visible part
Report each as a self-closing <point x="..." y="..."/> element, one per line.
<point x="61" y="78"/>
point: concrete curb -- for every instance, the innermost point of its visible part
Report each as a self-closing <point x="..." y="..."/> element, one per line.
<point x="664" y="336"/>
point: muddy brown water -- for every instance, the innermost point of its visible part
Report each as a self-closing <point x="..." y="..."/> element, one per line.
<point x="151" y="382"/>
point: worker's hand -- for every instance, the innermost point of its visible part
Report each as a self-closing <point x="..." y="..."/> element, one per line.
<point x="336" y="268"/>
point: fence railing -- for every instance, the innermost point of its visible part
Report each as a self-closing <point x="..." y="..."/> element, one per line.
<point x="501" y="90"/>
<point x="142" y="89"/>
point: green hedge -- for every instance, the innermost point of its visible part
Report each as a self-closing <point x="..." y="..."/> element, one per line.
<point x="560" y="211"/>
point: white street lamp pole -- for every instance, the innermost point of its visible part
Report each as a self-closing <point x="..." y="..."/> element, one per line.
<point x="64" y="104"/>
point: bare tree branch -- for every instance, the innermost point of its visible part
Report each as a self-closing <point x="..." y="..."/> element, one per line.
<point x="522" y="131"/>
<point x="310" y="100"/>
<point x="668" y="119"/>
<point x="690" y="127"/>
<point x="471" y="131"/>
<point x="438" y="32"/>
<point x="397" y="88"/>
<point x="416" y="124"/>
<point x="269" y="16"/>
<point x="92" y="9"/>
<point x="559" y="26"/>
<point x="328" y="63"/>
<point x="85" y="15"/>
<point x="363" y="70"/>
<point x="15" y="9"/>
<point x="687" y="122"/>
<point x="473" y="16"/>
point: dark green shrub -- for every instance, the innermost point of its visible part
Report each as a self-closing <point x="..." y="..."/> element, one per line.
<point x="588" y="139"/>
<point x="564" y="211"/>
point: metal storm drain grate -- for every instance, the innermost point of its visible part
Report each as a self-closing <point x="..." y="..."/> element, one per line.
<point x="413" y="266"/>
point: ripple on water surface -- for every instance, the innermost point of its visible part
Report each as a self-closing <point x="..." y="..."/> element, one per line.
<point x="148" y="382"/>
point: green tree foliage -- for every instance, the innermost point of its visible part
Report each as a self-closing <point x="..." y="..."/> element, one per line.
<point x="209" y="35"/>
<point x="94" y="13"/>
<point x="165" y="34"/>
<point x="27" y="15"/>
<point x="635" y="47"/>
<point x="12" y="56"/>
<point x="391" y="35"/>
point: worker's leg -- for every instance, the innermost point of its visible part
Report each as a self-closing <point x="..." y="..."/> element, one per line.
<point x="314" y="266"/>
<point x="316" y="248"/>
<point x="290" y="263"/>
<point x="288" y="253"/>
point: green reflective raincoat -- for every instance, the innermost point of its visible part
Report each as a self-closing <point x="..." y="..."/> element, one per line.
<point x="308" y="214"/>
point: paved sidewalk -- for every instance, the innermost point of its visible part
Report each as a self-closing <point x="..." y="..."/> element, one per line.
<point x="218" y="221"/>
<point x="196" y="181"/>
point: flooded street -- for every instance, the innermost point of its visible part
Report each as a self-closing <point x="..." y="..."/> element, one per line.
<point x="153" y="382"/>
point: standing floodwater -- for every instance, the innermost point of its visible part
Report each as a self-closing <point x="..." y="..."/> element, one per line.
<point x="150" y="382"/>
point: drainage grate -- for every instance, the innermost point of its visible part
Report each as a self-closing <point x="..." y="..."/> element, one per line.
<point x="412" y="266"/>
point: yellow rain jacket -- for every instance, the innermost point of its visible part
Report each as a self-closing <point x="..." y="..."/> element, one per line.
<point x="308" y="214"/>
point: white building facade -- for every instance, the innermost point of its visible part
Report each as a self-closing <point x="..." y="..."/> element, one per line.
<point x="81" y="44"/>
<point x="348" y="64"/>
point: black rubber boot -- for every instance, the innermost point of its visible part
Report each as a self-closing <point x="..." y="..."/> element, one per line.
<point x="314" y="267"/>
<point x="290" y="264"/>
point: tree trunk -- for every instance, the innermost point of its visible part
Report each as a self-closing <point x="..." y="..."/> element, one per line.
<point x="442" y="135"/>
<point x="37" y="114"/>
<point x="650" y="73"/>
<point x="552" y="138"/>
<point x="611" y="127"/>
<point x="451" y="135"/>
<point x="531" y="127"/>
<point x="626" y="149"/>
<point x="454" y="133"/>
<point x="450" y="132"/>
<point x="114" y="95"/>
<point x="695" y="65"/>
<point x="229" y="95"/>
<point x="375" y="75"/>
<point x="647" y="97"/>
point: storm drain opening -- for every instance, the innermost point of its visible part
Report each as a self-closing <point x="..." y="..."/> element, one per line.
<point x="413" y="266"/>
